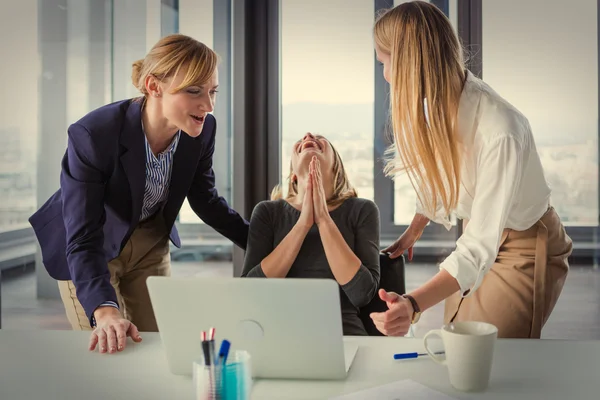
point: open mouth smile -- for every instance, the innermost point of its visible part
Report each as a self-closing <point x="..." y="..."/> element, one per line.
<point x="310" y="144"/>
<point x="198" y="119"/>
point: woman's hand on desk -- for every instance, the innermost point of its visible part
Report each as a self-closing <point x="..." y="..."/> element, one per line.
<point x="397" y="319"/>
<point x="112" y="330"/>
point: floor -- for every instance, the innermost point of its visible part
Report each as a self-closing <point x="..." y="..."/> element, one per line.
<point x="576" y="316"/>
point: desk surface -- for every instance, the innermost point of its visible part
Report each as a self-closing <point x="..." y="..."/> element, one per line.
<point x="56" y="365"/>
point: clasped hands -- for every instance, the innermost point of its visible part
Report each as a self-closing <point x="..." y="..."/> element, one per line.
<point x="314" y="204"/>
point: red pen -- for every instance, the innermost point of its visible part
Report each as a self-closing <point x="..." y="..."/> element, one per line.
<point x="211" y="343"/>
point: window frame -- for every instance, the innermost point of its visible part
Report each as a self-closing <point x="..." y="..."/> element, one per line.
<point x="229" y="42"/>
<point x="17" y="246"/>
<point x="436" y="241"/>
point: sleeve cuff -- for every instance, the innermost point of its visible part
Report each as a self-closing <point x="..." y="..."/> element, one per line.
<point x="359" y="289"/>
<point x="437" y="218"/>
<point x="446" y="223"/>
<point x="356" y="278"/>
<point x="256" y="272"/>
<point x="106" y="303"/>
<point x="467" y="276"/>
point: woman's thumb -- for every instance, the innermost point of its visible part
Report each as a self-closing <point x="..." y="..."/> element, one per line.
<point x="388" y="249"/>
<point x="134" y="333"/>
<point x="388" y="297"/>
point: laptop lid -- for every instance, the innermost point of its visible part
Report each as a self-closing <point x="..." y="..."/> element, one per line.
<point x="292" y="328"/>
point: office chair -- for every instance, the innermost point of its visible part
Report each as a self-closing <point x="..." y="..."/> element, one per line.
<point x="392" y="280"/>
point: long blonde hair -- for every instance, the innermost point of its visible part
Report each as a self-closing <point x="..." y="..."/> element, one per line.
<point x="427" y="75"/>
<point x="342" y="189"/>
<point x="169" y="55"/>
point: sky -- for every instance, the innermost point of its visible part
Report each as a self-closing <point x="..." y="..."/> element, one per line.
<point x="327" y="51"/>
<point x="542" y="56"/>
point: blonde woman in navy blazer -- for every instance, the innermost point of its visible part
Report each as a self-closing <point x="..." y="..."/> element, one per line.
<point x="127" y="170"/>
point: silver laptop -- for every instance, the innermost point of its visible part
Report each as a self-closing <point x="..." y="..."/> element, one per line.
<point x="292" y="328"/>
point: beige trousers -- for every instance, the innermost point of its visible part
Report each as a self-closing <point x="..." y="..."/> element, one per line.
<point x="145" y="254"/>
<point x="521" y="289"/>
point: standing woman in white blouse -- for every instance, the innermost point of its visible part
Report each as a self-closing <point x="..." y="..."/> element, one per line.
<point x="467" y="150"/>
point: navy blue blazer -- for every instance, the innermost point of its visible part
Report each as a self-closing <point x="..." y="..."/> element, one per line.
<point x="88" y="221"/>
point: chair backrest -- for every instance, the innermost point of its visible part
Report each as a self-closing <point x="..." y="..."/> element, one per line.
<point x="391" y="280"/>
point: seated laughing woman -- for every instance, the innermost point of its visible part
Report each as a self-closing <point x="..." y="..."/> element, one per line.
<point x="320" y="230"/>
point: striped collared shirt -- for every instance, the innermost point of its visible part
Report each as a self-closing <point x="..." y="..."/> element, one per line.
<point x="158" y="177"/>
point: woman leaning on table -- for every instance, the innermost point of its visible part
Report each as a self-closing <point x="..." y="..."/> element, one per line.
<point x="127" y="170"/>
<point x="468" y="150"/>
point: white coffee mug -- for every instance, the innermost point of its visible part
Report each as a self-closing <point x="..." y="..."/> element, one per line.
<point x="469" y="348"/>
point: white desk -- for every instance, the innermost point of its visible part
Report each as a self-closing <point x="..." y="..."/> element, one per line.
<point x="56" y="365"/>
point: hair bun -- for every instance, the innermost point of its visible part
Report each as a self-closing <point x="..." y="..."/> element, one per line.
<point x="136" y="75"/>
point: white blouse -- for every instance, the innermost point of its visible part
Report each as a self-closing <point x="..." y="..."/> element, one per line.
<point x="502" y="182"/>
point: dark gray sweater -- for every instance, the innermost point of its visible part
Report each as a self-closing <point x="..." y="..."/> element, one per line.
<point x="358" y="222"/>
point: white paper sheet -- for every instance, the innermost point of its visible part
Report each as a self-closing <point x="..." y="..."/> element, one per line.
<point x="404" y="389"/>
<point x="350" y="350"/>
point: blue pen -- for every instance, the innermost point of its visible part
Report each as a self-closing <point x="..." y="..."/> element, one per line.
<point x="404" y="356"/>
<point x="224" y="351"/>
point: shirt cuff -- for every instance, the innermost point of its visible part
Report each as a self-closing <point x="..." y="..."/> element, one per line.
<point x="437" y="218"/>
<point x="468" y="277"/>
<point x="359" y="289"/>
<point x="256" y="272"/>
<point x="106" y="303"/>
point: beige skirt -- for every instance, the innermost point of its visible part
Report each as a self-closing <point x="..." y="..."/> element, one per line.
<point x="520" y="291"/>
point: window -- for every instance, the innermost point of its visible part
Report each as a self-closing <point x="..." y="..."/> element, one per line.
<point x="18" y="115"/>
<point x="73" y="59"/>
<point x="169" y="17"/>
<point x="552" y="78"/>
<point x="327" y="82"/>
<point x="209" y="22"/>
<point x="331" y="85"/>
<point x="132" y="38"/>
<point x="196" y="20"/>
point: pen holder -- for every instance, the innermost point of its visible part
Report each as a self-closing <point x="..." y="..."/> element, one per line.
<point x="232" y="381"/>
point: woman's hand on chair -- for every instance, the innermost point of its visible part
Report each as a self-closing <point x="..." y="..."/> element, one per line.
<point x="318" y="195"/>
<point x="405" y="242"/>
<point x="112" y="330"/>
